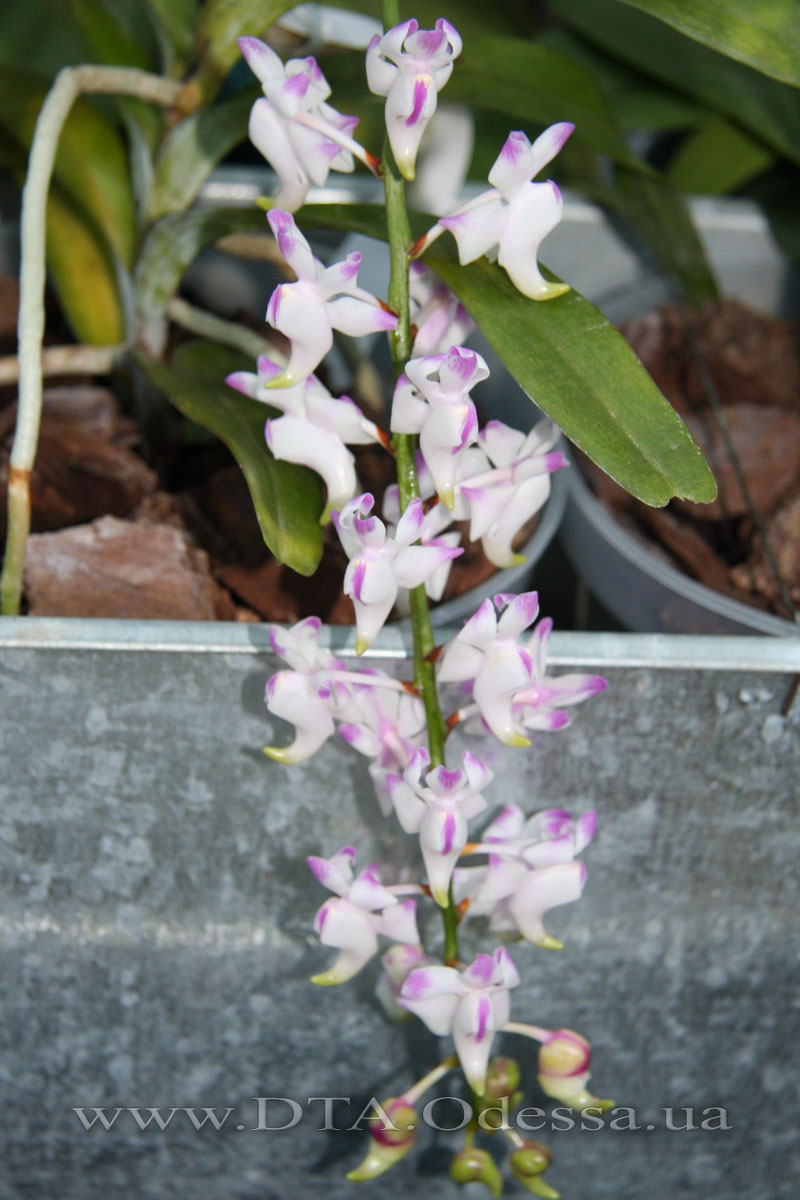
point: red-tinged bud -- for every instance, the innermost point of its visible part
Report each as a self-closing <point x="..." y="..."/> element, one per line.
<point x="564" y="1070"/>
<point x="527" y="1164"/>
<point x="392" y="1136"/>
<point x="477" y="1166"/>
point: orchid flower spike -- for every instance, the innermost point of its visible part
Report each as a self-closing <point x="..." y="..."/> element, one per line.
<point x="439" y="810"/>
<point x="432" y="399"/>
<point x="379" y="564"/>
<point x="470" y="1004"/>
<point x="301" y="137"/>
<point x="512" y="219"/>
<point x="322" y="299"/>
<point x="440" y="318"/>
<point x="314" y="431"/>
<point x="486" y="651"/>
<point x="410" y="66"/>
<point x="564" y="1070"/>
<point x="361" y="911"/>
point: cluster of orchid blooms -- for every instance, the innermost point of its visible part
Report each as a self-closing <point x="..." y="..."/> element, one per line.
<point x="496" y="478"/>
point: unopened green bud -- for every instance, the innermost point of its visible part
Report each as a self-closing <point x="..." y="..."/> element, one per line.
<point x="502" y="1078"/>
<point x="477" y="1166"/>
<point x="391" y="1139"/>
<point x="527" y="1164"/>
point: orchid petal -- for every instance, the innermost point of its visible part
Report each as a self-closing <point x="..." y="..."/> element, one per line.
<point x="531" y="216"/>
<point x="542" y="890"/>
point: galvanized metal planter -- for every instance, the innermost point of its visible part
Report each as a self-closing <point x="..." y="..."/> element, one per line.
<point x="156" y="917"/>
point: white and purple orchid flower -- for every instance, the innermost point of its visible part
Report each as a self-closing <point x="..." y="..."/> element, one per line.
<point x="439" y="808"/>
<point x="315" y="429"/>
<point x="316" y="691"/>
<point x="432" y="399"/>
<point x="410" y="66"/>
<point x="435" y="523"/>
<point x="502" y="500"/>
<point x="471" y="1005"/>
<point x="380" y="564"/>
<point x="531" y="869"/>
<point x="440" y="319"/>
<point x="486" y="652"/>
<point x="387" y="731"/>
<point x="301" y="137"/>
<point x="511" y="689"/>
<point x="398" y="962"/>
<point x="541" y="703"/>
<point x="511" y="220"/>
<point x="322" y="299"/>
<point x="361" y="911"/>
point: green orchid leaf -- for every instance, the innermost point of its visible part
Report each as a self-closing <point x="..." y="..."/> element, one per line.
<point x="764" y="34"/>
<point x="538" y="86"/>
<point x="91" y="164"/>
<point x="221" y="23"/>
<point x="175" y="242"/>
<point x="766" y="108"/>
<point x="103" y="38"/>
<point x="175" y="22"/>
<point x="637" y="102"/>
<point x="572" y="362"/>
<point x="191" y="151"/>
<point x="83" y="275"/>
<point x="659" y="214"/>
<point x="287" y="498"/>
<point x="718" y="158"/>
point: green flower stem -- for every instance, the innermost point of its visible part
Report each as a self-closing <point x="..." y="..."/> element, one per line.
<point x="400" y="241"/>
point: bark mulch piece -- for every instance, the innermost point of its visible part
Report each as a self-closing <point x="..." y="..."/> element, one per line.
<point x="754" y="366"/>
<point x="113" y="568"/>
<point x="85" y="466"/>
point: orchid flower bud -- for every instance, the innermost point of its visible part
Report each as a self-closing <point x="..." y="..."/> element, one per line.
<point x="472" y="1165"/>
<point x="527" y="1163"/>
<point x="564" y="1070"/>
<point x="409" y="66"/>
<point x="390" y="1142"/>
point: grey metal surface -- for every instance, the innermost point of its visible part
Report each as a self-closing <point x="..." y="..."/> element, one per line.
<point x="156" y="912"/>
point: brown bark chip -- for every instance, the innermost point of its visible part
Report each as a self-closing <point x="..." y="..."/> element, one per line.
<point x="114" y="568"/>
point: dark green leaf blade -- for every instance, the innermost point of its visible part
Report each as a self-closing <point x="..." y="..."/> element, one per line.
<point x="581" y="372"/>
<point x="192" y="149"/>
<point x="535" y="84"/>
<point x="221" y="23"/>
<point x="572" y="362"/>
<point x="174" y="243"/>
<point x="769" y="109"/>
<point x="718" y="158"/>
<point x="287" y="498"/>
<point x="659" y="214"/>
<point x="764" y="34"/>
